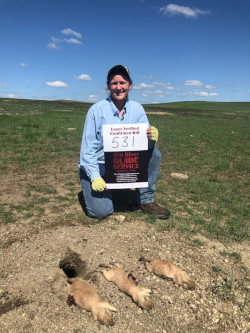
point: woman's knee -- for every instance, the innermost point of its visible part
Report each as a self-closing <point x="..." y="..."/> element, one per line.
<point x="100" y="210"/>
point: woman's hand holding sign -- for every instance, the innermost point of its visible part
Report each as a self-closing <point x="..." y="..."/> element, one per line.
<point x="153" y="133"/>
<point x="99" y="184"/>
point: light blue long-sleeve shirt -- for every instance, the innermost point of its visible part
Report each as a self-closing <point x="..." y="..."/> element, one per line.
<point x="105" y="112"/>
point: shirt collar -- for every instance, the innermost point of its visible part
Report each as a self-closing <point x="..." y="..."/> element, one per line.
<point x="114" y="108"/>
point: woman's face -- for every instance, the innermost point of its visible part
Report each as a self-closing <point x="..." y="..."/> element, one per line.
<point x="119" y="88"/>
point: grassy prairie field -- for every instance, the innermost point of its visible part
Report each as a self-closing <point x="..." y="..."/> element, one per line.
<point x="42" y="222"/>
<point x="208" y="141"/>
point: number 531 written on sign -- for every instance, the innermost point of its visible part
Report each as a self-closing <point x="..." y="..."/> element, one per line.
<point x="127" y="137"/>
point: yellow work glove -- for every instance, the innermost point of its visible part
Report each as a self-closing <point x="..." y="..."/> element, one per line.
<point x="98" y="184"/>
<point x="154" y="133"/>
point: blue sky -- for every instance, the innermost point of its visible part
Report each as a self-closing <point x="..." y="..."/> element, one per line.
<point x="177" y="50"/>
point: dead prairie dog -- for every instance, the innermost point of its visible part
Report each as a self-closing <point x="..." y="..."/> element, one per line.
<point x="165" y="268"/>
<point x="85" y="295"/>
<point x="128" y="285"/>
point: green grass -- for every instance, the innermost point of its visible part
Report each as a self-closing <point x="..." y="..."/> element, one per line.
<point x="7" y="215"/>
<point x="209" y="141"/>
<point x="216" y="269"/>
<point x="214" y="152"/>
<point x="228" y="288"/>
<point x="235" y="107"/>
<point x="198" y="242"/>
<point x="37" y="131"/>
<point x="234" y="255"/>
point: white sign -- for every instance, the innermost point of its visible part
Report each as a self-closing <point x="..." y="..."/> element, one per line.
<point x="127" y="137"/>
<point x="126" y="155"/>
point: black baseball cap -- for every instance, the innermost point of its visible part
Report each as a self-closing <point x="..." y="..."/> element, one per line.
<point x="118" y="69"/>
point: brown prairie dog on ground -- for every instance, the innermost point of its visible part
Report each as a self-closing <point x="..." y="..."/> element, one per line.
<point x="128" y="284"/>
<point x="166" y="269"/>
<point x="85" y="295"/>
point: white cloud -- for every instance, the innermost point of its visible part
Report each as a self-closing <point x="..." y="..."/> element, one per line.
<point x="146" y="89"/>
<point x="10" y="96"/>
<point x="161" y="84"/>
<point x="93" y="98"/>
<point x="248" y="91"/>
<point x="187" y="93"/>
<point x="71" y="32"/>
<point x="65" y="40"/>
<point x="172" y="10"/>
<point x="53" y="46"/>
<point x="205" y="94"/>
<point x="164" y="85"/>
<point x="154" y="92"/>
<point x="208" y="86"/>
<point x="72" y="41"/>
<point x="23" y="64"/>
<point x="192" y="83"/>
<point x="56" y="40"/>
<point x="83" y="77"/>
<point x="68" y="32"/>
<point x="58" y="84"/>
<point x="196" y="92"/>
<point x="201" y="93"/>
<point x="3" y="86"/>
<point x="143" y="85"/>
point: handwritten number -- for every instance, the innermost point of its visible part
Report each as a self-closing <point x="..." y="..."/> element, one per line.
<point x="114" y="141"/>
<point x="125" y="141"/>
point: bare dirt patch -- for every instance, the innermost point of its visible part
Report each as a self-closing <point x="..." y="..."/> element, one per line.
<point x="160" y="113"/>
<point x="37" y="257"/>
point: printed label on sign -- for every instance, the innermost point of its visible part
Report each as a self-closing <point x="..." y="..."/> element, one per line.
<point x="126" y="137"/>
